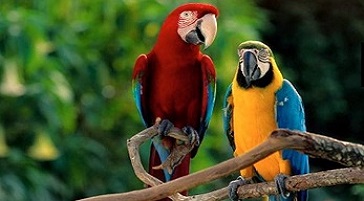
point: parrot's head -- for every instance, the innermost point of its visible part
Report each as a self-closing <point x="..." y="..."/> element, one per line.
<point x="255" y="64"/>
<point x="194" y="23"/>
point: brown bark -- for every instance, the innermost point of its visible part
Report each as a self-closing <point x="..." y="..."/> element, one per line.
<point x="348" y="154"/>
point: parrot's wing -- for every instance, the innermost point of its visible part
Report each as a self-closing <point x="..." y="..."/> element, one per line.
<point x="290" y="115"/>
<point x="137" y="84"/>
<point x="139" y="93"/>
<point x="228" y="117"/>
<point x="209" y="92"/>
<point x="208" y="96"/>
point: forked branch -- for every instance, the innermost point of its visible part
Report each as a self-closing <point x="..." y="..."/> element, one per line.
<point x="348" y="154"/>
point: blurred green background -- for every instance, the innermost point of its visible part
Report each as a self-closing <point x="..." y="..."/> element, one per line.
<point x="66" y="108"/>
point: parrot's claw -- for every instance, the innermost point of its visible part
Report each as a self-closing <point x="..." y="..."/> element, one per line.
<point x="194" y="139"/>
<point x="281" y="185"/>
<point x="164" y="127"/>
<point x="185" y="141"/>
<point x="234" y="185"/>
<point x="175" y="157"/>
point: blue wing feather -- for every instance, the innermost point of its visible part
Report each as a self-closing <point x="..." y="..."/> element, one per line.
<point x="228" y="116"/>
<point x="139" y="72"/>
<point x="208" y="97"/>
<point x="290" y="115"/>
<point x="137" y="91"/>
<point x="211" y="92"/>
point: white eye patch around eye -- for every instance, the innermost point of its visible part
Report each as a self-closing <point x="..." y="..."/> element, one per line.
<point x="187" y="18"/>
<point x="264" y="67"/>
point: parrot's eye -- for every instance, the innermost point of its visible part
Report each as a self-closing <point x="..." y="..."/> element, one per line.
<point x="263" y="55"/>
<point x="186" y="18"/>
<point x="186" y="15"/>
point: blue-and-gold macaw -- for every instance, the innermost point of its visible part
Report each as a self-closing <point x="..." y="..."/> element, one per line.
<point x="257" y="102"/>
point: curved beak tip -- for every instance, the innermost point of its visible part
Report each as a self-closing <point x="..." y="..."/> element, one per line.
<point x="209" y="29"/>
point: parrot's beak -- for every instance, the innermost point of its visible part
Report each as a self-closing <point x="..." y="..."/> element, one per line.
<point x="203" y="31"/>
<point x="208" y="29"/>
<point x="250" y="68"/>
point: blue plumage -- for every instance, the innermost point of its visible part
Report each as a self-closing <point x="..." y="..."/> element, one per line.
<point x="290" y="115"/>
<point x="228" y="115"/>
<point x="137" y="92"/>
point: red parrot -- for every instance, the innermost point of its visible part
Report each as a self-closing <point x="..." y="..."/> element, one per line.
<point x="176" y="83"/>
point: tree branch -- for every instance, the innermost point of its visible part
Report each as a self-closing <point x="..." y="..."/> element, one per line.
<point x="133" y="149"/>
<point x="293" y="184"/>
<point x="346" y="153"/>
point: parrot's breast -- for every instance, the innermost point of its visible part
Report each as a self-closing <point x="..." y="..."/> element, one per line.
<point x="254" y="120"/>
<point x="176" y="94"/>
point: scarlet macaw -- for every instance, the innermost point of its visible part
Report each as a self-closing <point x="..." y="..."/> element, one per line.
<point x="176" y="82"/>
<point x="257" y="102"/>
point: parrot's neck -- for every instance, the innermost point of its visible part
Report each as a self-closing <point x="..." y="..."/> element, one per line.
<point x="173" y="48"/>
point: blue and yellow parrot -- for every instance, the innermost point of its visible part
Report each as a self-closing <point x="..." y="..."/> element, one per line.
<point x="257" y="102"/>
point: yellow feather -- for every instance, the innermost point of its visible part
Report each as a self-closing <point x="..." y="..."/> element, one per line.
<point x="254" y="119"/>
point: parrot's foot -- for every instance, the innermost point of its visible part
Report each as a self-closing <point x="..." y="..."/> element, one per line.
<point x="177" y="154"/>
<point x="281" y="185"/>
<point x="185" y="141"/>
<point x="234" y="185"/>
<point x="164" y="127"/>
<point x="194" y="139"/>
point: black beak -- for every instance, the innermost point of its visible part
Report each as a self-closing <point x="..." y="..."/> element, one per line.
<point x="195" y="36"/>
<point x="250" y="67"/>
<point x="203" y="31"/>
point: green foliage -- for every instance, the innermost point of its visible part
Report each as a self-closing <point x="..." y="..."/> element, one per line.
<point x="358" y="190"/>
<point x="65" y="92"/>
<point x="66" y="108"/>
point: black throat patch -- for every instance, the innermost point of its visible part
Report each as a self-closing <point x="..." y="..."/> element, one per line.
<point x="262" y="82"/>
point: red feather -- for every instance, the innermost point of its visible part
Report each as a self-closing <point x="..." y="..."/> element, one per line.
<point x="173" y="79"/>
